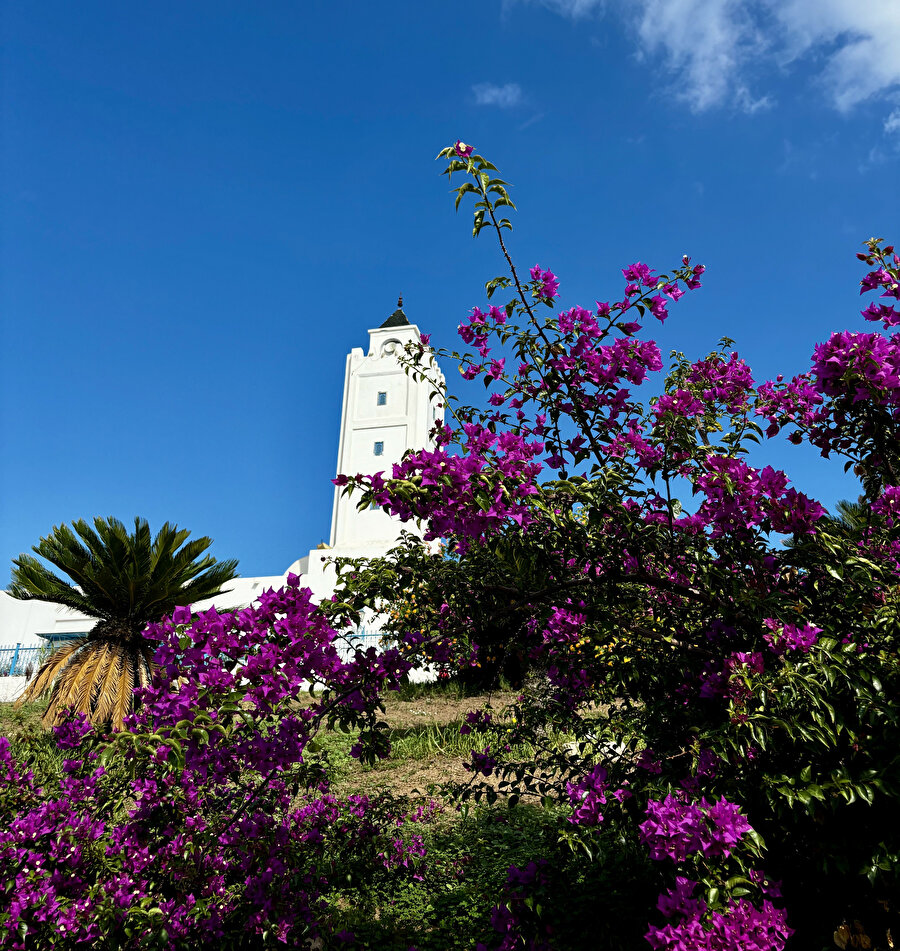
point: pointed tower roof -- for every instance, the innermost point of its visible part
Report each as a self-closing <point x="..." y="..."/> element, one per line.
<point x="398" y="318"/>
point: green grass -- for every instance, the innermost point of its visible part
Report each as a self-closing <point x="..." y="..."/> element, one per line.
<point x="444" y="739"/>
<point x="424" y="742"/>
<point x="32" y="745"/>
<point x="433" y="739"/>
<point x="452" y="689"/>
<point x="16" y="719"/>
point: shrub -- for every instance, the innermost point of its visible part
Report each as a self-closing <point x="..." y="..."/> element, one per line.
<point x="627" y="553"/>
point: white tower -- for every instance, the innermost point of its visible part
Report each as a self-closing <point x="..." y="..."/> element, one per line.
<point x="385" y="412"/>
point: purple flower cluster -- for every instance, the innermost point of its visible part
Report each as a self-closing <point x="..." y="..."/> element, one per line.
<point x="547" y="284"/>
<point x="477" y="720"/>
<point x="639" y="273"/>
<point x="72" y="731"/>
<point x="680" y="403"/>
<point x="403" y="854"/>
<point x="476" y="332"/>
<point x="740" y="927"/>
<point x="886" y="313"/>
<point x="849" y="403"/>
<point x="888" y="505"/>
<point x="676" y="828"/>
<point x="718" y="381"/>
<point x="739" y="497"/>
<point x="791" y="637"/>
<point x="886" y="277"/>
<point x="470" y="495"/>
<point x="589" y="794"/>
<point x="863" y="367"/>
<point x="711" y="383"/>
<point x="481" y="762"/>
<point x="680" y="901"/>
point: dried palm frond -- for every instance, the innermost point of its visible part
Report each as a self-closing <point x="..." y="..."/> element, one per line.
<point x="93" y="677"/>
<point x="146" y="665"/>
<point x="52" y="667"/>
<point x="134" y="666"/>
<point x="107" y="682"/>
<point x="77" y="683"/>
<point x="124" y="691"/>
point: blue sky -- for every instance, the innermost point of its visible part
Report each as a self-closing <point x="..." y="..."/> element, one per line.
<point x="206" y="205"/>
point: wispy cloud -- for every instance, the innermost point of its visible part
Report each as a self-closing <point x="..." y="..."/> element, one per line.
<point x="809" y="157"/>
<point x="892" y="123"/>
<point x="490" y="94"/>
<point x="749" y="103"/>
<point x="530" y="122"/>
<point x="718" y="51"/>
<point x="889" y="147"/>
<point x="575" y="9"/>
<point x="876" y="157"/>
<point x="705" y="43"/>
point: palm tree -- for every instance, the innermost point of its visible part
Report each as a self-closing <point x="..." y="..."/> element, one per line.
<point x="849" y="523"/>
<point x="124" y="580"/>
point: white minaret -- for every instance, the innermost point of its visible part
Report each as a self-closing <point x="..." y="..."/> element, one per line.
<point x="385" y="412"/>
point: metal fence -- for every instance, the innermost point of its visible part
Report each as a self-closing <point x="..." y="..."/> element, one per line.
<point x="361" y="639"/>
<point x="19" y="661"/>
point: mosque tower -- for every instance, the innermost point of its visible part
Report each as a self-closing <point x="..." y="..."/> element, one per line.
<point x="384" y="413"/>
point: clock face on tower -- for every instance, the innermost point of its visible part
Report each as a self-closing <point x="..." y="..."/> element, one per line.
<point x="391" y="348"/>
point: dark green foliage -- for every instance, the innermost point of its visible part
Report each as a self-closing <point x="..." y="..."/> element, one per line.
<point x="124" y="578"/>
<point x="587" y="905"/>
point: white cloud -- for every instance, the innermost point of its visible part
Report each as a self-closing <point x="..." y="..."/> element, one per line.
<point x="490" y="94"/>
<point x="858" y="41"/>
<point x="717" y="51"/>
<point x="877" y="156"/>
<point x="573" y="9"/>
<point x="892" y="123"/>
<point x="892" y="137"/>
<point x="705" y="43"/>
<point x="747" y="103"/>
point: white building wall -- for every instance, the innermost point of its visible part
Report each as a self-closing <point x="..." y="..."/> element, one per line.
<point x="21" y="622"/>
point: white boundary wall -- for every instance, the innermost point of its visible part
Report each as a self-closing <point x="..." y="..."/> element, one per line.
<point x="11" y="688"/>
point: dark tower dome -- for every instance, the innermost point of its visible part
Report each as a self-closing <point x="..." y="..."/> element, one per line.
<point x="398" y="318"/>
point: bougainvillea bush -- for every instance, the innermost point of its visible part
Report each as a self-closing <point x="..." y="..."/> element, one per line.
<point x="707" y="663"/>
<point x="207" y="822"/>
<point x="722" y="650"/>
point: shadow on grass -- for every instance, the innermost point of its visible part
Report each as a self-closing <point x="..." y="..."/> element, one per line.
<point x="583" y="905"/>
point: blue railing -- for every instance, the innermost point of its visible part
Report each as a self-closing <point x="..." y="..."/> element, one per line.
<point x="19" y="661"/>
<point x="359" y="640"/>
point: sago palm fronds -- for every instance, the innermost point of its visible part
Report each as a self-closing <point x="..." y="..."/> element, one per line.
<point x="125" y="580"/>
